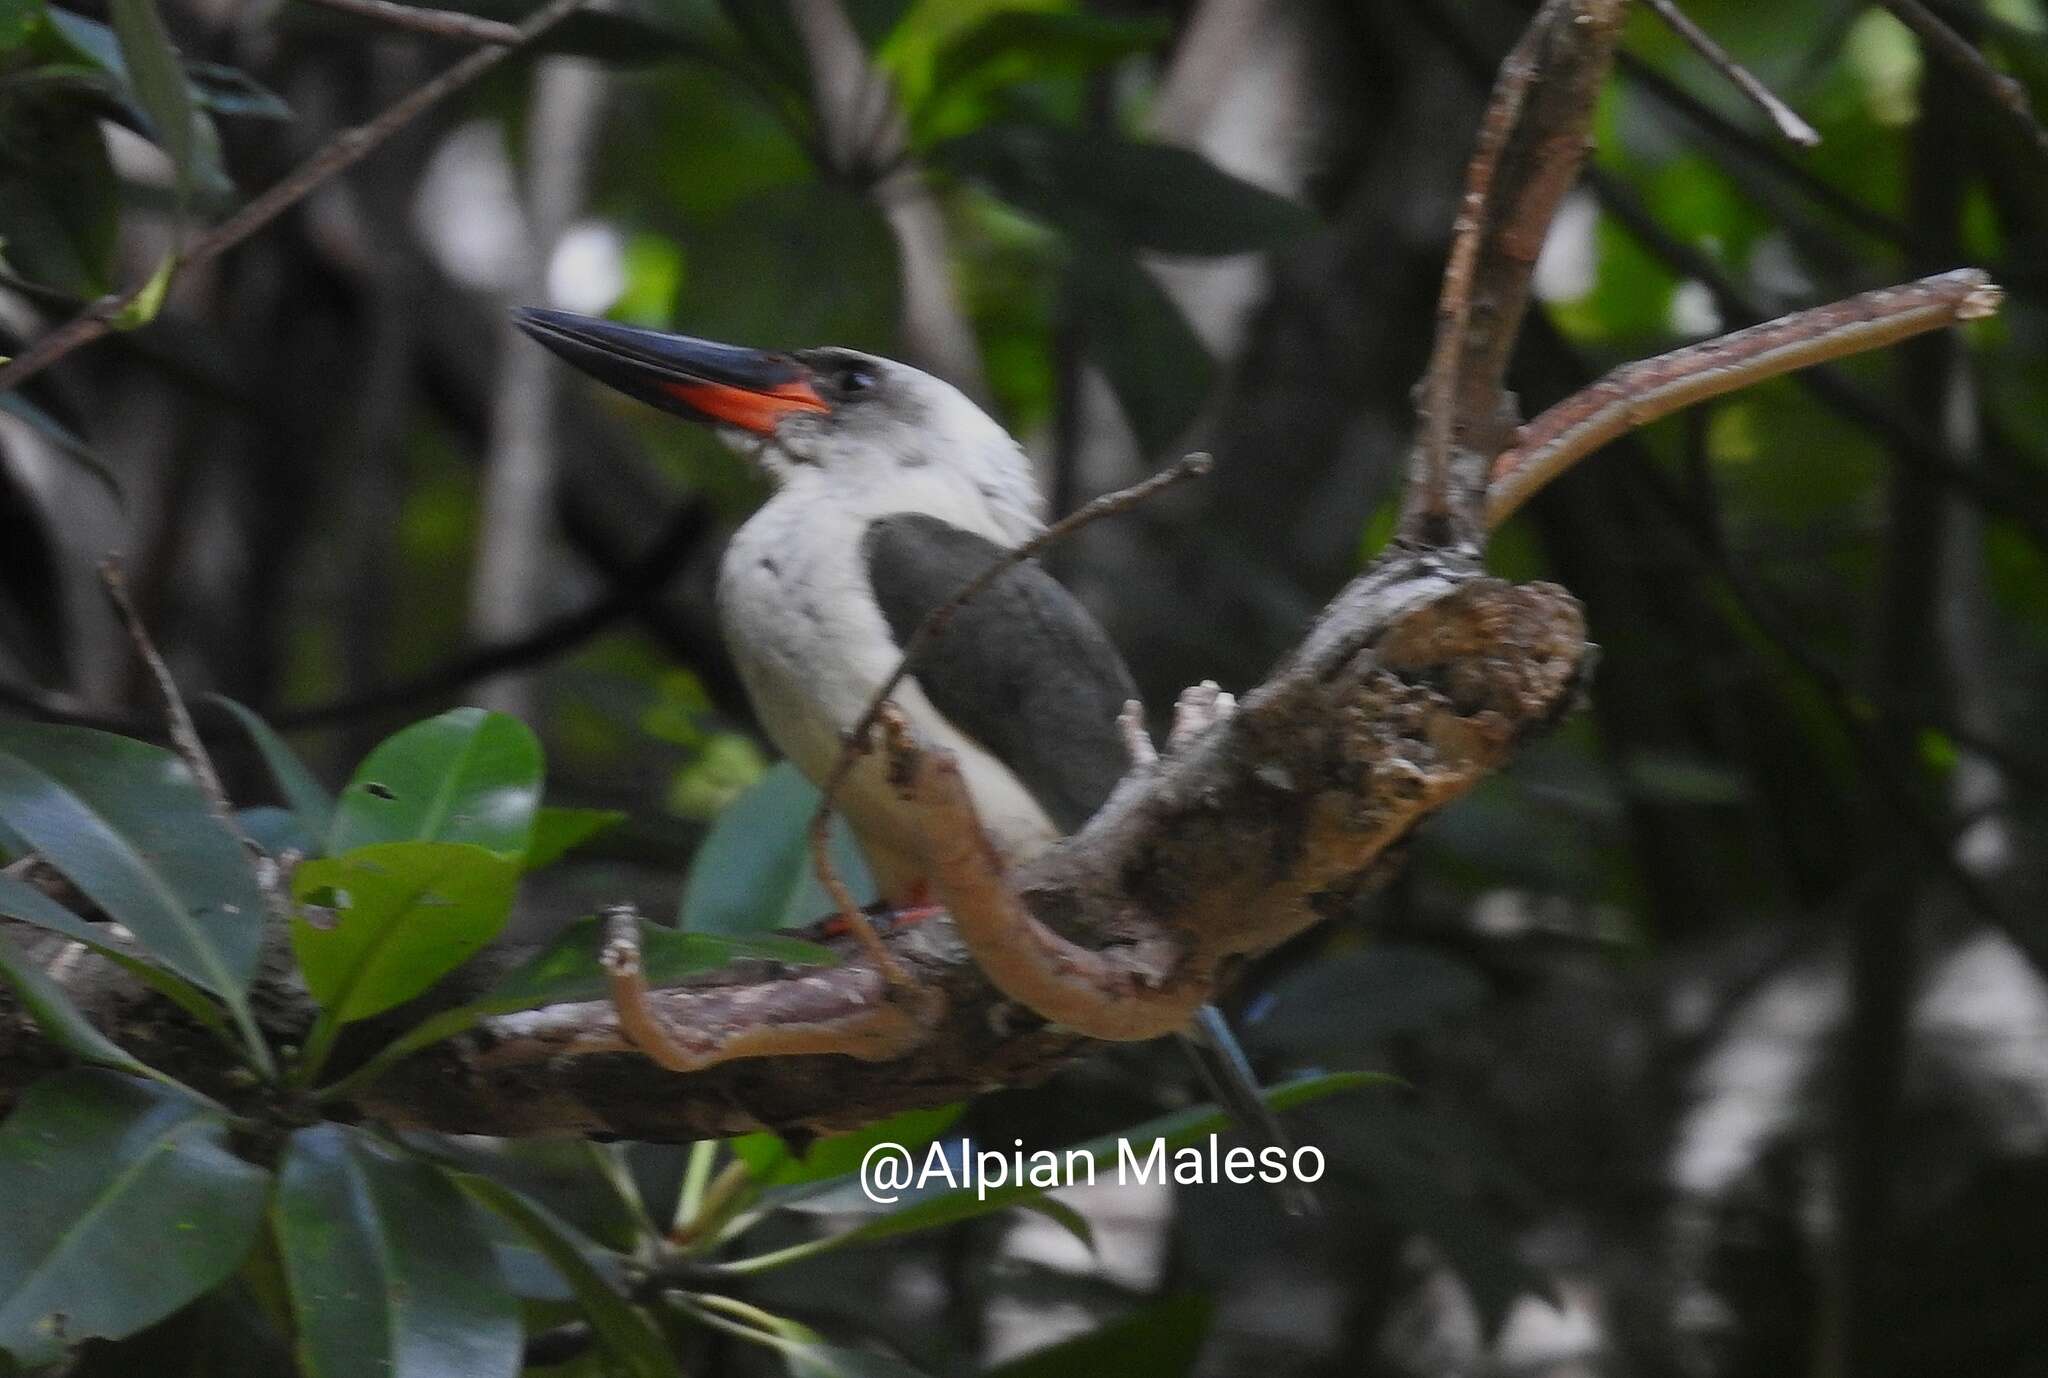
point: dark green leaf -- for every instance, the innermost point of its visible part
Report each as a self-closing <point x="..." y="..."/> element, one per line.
<point x="1161" y="1341"/>
<point x="59" y="200"/>
<point x="570" y="971"/>
<point x="20" y="900"/>
<point x="466" y="776"/>
<point x="230" y="91"/>
<point x="58" y="1017"/>
<point x="159" y="83"/>
<point x="1015" y="45"/>
<point x="391" y="1275"/>
<point x="125" y="823"/>
<point x="627" y="1335"/>
<point x="1158" y="368"/>
<point x="310" y="801"/>
<point x="405" y="914"/>
<point x="122" y="1203"/>
<point x="754" y="873"/>
<point x="1148" y="196"/>
<point x="559" y="830"/>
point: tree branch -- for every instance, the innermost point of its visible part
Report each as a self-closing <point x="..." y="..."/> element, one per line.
<point x="1636" y="394"/>
<point x="340" y="153"/>
<point x="1740" y="77"/>
<point x="2005" y="94"/>
<point x="1532" y="141"/>
<point x="469" y="28"/>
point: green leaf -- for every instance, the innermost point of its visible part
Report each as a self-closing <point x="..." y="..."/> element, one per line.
<point x="122" y="1203"/>
<point x="18" y="19"/>
<point x="20" y="900"/>
<point x="1143" y="195"/>
<point x="60" y="204"/>
<point x="1014" y="45"/>
<point x="466" y="776"/>
<point x="230" y="91"/>
<point x="1064" y="1216"/>
<point x="569" y="970"/>
<point x="754" y="873"/>
<point x="159" y="83"/>
<point x="405" y="915"/>
<point x="59" y="1018"/>
<point x="309" y="799"/>
<point x="390" y="1273"/>
<point x="142" y="308"/>
<point x="627" y="1335"/>
<point x="1162" y="1340"/>
<point x="924" y="1211"/>
<point x="125" y="823"/>
<point x="560" y="830"/>
<point x="771" y="1163"/>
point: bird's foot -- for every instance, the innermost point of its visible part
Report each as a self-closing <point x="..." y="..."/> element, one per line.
<point x="1199" y="708"/>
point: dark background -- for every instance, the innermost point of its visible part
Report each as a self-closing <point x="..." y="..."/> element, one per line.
<point x="1720" y="1013"/>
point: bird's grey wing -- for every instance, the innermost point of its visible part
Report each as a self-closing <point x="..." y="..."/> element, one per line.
<point x="1022" y="668"/>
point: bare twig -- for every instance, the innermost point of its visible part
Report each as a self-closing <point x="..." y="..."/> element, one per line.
<point x="1532" y="142"/>
<point x="1639" y="393"/>
<point x="185" y="738"/>
<point x="339" y="154"/>
<point x="1782" y="115"/>
<point x="469" y="28"/>
<point x="857" y="740"/>
<point x="2007" y="96"/>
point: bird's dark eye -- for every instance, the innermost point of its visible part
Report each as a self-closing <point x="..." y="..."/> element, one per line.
<point x="851" y="380"/>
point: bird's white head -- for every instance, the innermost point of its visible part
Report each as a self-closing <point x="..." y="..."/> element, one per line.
<point x="857" y="428"/>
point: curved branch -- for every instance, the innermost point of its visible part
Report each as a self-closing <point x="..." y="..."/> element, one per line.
<point x="1636" y="394"/>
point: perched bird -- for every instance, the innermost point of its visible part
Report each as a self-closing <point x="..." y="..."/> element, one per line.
<point x="892" y="491"/>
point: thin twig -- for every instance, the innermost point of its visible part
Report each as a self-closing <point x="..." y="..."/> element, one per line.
<point x="1636" y="394"/>
<point x="2006" y="94"/>
<point x="337" y="155"/>
<point x="856" y="742"/>
<point x="1782" y="115"/>
<point x="439" y="23"/>
<point x="185" y="738"/>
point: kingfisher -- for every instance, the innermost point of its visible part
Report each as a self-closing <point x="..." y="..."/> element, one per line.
<point x="892" y="490"/>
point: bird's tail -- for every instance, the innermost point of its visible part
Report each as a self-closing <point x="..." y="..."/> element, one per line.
<point x="1227" y="1072"/>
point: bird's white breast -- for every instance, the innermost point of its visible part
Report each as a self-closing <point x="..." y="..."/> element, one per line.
<point x="812" y="647"/>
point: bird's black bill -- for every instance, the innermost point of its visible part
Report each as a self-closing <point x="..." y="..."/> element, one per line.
<point x="719" y="383"/>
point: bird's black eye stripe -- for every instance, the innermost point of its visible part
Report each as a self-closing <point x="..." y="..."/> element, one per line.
<point x="851" y="380"/>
